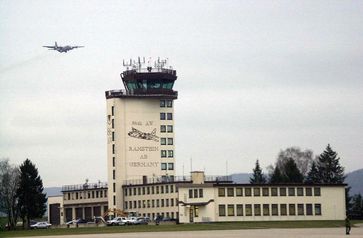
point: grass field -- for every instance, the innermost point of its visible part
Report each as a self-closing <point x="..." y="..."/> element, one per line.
<point x="181" y="227"/>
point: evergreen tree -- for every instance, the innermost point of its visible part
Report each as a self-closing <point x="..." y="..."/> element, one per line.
<point x="313" y="175"/>
<point x="329" y="168"/>
<point x="357" y="205"/>
<point x="276" y="176"/>
<point x="257" y="177"/>
<point x="31" y="199"/>
<point x="292" y="173"/>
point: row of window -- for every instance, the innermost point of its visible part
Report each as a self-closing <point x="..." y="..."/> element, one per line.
<point x="166" y="103"/>
<point x="167" y="153"/>
<point x="166" y="128"/>
<point x="196" y="193"/>
<point x="274" y="192"/>
<point x="269" y="209"/>
<point x="166" y="141"/>
<point x="85" y="195"/>
<point x="152" y="203"/>
<point x="153" y="215"/>
<point x="167" y="166"/>
<point x="166" y="116"/>
<point x="155" y="189"/>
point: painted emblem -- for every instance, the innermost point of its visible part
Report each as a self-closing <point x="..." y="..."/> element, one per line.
<point x="143" y="135"/>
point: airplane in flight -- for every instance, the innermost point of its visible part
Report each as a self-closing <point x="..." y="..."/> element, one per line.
<point x="62" y="49"/>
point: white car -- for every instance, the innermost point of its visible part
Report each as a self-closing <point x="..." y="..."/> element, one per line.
<point x="40" y="225"/>
<point x="117" y="221"/>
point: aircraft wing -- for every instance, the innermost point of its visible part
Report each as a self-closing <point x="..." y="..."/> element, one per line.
<point x="80" y="46"/>
<point x="52" y="47"/>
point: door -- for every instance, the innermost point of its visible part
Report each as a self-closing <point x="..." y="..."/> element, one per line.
<point x="191" y="214"/>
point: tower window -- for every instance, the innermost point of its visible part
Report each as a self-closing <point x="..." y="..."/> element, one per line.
<point x="163" y="141"/>
<point x="113" y="136"/>
<point x="162" y="128"/>
<point x="163" y="166"/>
<point x="169" y="116"/>
<point x="169" y="103"/>
<point x="162" y="115"/>
<point x="170" y="128"/>
<point x="113" y="123"/>
<point x="113" y="149"/>
<point x="170" y="141"/>
<point x="170" y="166"/>
<point x="113" y="174"/>
<point x="163" y="153"/>
<point x="170" y="154"/>
<point x="162" y="103"/>
<point x="112" y="111"/>
<point x="113" y="162"/>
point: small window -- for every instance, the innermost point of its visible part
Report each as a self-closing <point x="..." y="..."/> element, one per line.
<point x="200" y="193"/>
<point x="171" y="188"/>
<point x="163" y="166"/>
<point x="282" y="191"/>
<point x="162" y="115"/>
<point x="317" y="191"/>
<point x="274" y="209"/>
<point x="157" y="189"/>
<point x="196" y="211"/>
<point x="138" y="191"/>
<point x="113" y="162"/>
<point x="221" y="192"/>
<point x="273" y="192"/>
<point x="256" y="192"/>
<point x="113" y="136"/>
<point x="113" y="123"/>
<point x="169" y="103"/>
<point x="170" y="141"/>
<point x="170" y="166"/>
<point x="265" y="192"/>
<point x="230" y="210"/>
<point x="169" y="116"/>
<point x="114" y="187"/>
<point x="113" y="174"/>
<point x="170" y="153"/>
<point x="266" y="209"/>
<point x="239" y="210"/>
<point x="300" y="192"/>
<point x="248" y="192"/>
<point x="308" y="192"/>
<point x="162" y="128"/>
<point x="114" y="200"/>
<point x="113" y="149"/>
<point x="291" y="191"/>
<point x="309" y="209"/>
<point x="143" y="190"/>
<point x="248" y="210"/>
<point x="239" y="192"/>
<point x="162" y="103"/>
<point x="257" y="209"/>
<point x="163" y="153"/>
<point x="230" y="192"/>
<point x="283" y="209"/>
<point x="195" y="193"/>
<point x="300" y="209"/>
<point x="162" y="189"/>
<point x="166" y="189"/>
<point x="162" y="141"/>
<point x="148" y="190"/>
<point x="112" y="111"/>
<point x="292" y="211"/>
<point x="170" y="128"/>
<point x="317" y="209"/>
<point x="222" y="210"/>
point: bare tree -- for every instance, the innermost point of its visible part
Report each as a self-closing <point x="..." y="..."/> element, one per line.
<point x="9" y="181"/>
<point x="303" y="159"/>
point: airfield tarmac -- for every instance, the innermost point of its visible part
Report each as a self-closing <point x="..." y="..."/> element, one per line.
<point x="250" y="233"/>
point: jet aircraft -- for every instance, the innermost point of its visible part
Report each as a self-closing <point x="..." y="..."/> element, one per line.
<point x="62" y="49"/>
<point x="143" y="135"/>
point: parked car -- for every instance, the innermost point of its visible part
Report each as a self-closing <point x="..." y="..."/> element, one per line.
<point x="77" y="221"/>
<point x="141" y="221"/>
<point x="117" y="221"/>
<point x="131" y="220"/>
<point x="40" y="225"/>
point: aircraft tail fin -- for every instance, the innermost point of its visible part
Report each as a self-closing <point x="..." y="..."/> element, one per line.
<point x="55" y="43"/>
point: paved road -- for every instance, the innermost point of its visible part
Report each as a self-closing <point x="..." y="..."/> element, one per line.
<point x="260" y="233"/>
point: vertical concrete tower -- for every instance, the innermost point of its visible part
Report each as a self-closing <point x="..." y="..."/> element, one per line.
<point x="140" y="128"/>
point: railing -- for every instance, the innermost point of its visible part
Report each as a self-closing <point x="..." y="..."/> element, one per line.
<point x="149" y="70"/>
<point x="170" y="179"/>
<point x="84" y="186"/>
<point x="140" y="92"/>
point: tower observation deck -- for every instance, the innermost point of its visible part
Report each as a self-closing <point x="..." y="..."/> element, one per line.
<point x="144" y="80"/>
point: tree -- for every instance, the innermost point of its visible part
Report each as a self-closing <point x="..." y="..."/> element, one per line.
<point x="302" y="159"/>
<point x="330" y="170"/>
<point x="276" y="176"/>
<point x="292" y="173"/>
<point x="313" y="176"/>
<point x="257" y="176"/>
<point x="9" y="181"/>
<point x="30" y="193"/>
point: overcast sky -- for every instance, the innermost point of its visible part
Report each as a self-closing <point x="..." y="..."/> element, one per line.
<point x="254" y="77"/>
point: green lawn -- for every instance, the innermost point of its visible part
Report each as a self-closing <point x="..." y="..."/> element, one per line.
<point x="181" y="227"/>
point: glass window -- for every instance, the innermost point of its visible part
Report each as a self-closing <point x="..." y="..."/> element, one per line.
<point x="170" y="166"/>
<point x="266" y="209"/>
<point x="248" y="192"/>
<point x="300" y="192"/>
<point x="300" y="209"/>
<point x="113" y="123"/>
<point x="162" y="115"/>
<point x="148" y="190"/>
<point x="257" y="209"/>
<point x="172" y="202"/>
<point x="163" y="141"/>
<point x="292" y="210"/>
<point x="221" y="192"/>
<point x="230" y="192"/>
<point x="195" y="193"/>
<point x="170" y="153"/>
<point x="274" y="192"/>
<point x="169" y="103"/>
<point x="157" y="189"/>
<point x="162" y="103"/>
<point x="190" y="193"/>
<point x="282" y="191"/>
<point x="309" y="209"/>
<point x="317" y="191"/>
<point x="171" y="188"/>
<point x="152" y="190"/>
<point x="112" y="111"/>
<point x="139" y="191"/>
<point x="265" y="192"/>
<point x="222" y="210"/>
<point x="162" y="128"/>
<point x="163" y="153"/>
<point x="161" y="189"/>
<point x="239" y="192"/>
<point x="167" y="202"/>
<point x="283" y="209"/>
<point x="256" y="192"/>
<point x="239" y="210"/>
<point x="291" y="191"/>
<point x="170" y="141"/>
<point x="230" y="210"/>
<point x="113" y="162"/>
<point x="170" y="128"/>
<point x="200" y="192"/>
<point x="162" y="202"/>
<point x="317" y="209"/>
<point x="166" y="189"/>
<point x="157" y="203"/>
<point x="248" y="210"/>
<point x="113" y="136"/>
<point x="169" y="116"/>
<point x="308" y="192"/>
<point x="163" y="166"/>
<point x="275" y="209"/>
<point x="196" y="212"/>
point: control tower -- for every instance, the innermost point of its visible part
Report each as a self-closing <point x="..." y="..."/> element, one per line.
<point x="140" y="127"/>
